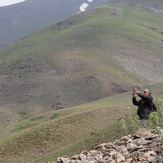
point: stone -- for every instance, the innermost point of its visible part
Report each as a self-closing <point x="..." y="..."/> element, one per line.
<point x="151" y="159"/>
<point x="122" y="149"/>
<point x="144" y="133"/>
<point x="151" y="153"/>
<point x="151" y="137"/>
<point x="82" y="157"/>
<point x="153" y="145"/>
<point x="142" y="142"/>
<point x="109" y="146"/>
<point x="93" y="161"/>
<point x="84" y="152"/>
<point x="129" y="160"/>
<point x="75" y="157"/>
<point x="131" y="146"/>
<point x="64" y="159"/>
<point x="121" y="143"/>
<point x="120" y="157"/>
<point x="143" y="147"/>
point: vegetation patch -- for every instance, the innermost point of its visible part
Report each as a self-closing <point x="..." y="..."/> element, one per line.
<point x="36" y="118"/>
<point x="55" y="115"/>
<point x="25" y="126"/>
<point x="24" y="115"/>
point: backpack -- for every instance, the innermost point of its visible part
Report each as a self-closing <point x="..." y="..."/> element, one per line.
<point x="153" y="108"/>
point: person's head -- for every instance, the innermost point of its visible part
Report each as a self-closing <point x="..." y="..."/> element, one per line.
<point x="147" y="92"/>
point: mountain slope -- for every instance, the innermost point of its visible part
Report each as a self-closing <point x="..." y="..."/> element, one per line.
<point x="22" y="19"/>
<point x="87" y="57"/>
<point x="70" y="126"/>
<point x="67" y="131"/>
<point x="84" y="58"/>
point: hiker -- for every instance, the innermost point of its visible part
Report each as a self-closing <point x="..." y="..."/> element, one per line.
<point x="145" y="104"/>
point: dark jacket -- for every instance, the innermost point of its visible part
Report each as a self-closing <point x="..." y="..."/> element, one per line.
<point x="144" y="105"/>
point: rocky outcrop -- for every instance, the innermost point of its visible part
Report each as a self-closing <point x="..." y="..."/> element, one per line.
<point x="143" y="147"/>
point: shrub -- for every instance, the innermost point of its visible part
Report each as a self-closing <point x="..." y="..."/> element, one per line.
<point x="55" y="115"/>
<point x="24" y="115"/>
<point x="132" y="123"/>
<point x="153" y="120"/>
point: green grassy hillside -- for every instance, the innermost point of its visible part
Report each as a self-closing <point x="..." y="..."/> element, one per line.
<point x="87" y="57"/>
<point x="61" y="128"/>
<point x="118" y="101"/>
<point x="67" y="131"/>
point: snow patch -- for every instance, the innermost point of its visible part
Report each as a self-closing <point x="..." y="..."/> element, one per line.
<point x="9" y="2"/>
<point x="84" y="5"/>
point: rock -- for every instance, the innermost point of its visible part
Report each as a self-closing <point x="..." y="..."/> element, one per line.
<point x="120" y="157"/>
<point x="82" y="157"/>
<point x="109" y="145"/>
<point x="84" y="152"/>
<point x="144" y="133"/>
<point x="122" y="149"/>
<point x="131" y="146"/>
<point x="153" y="145"/>
<point x="75" y="157"/>
<point x="92" y="161"/>
<point x="64" y="159"/>
<point x="142" y="142"/>
<point x="129" y="160"/>
<point x="149" y="158"/>
<point x="142" y="147"/>
<point x="151" y="137"/>
<point x="151" y="153"/>
<point x="58" y="105"/>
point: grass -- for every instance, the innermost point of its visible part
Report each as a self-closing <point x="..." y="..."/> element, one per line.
<point x="36" y="118"/>
<point x="22" y="127"/>
<point x="106" y="135"/>
<point x="59" y="132"/>
<point x="92" y="123"/>
<point x="24" y="115"/>
<point x="55" y="115"/>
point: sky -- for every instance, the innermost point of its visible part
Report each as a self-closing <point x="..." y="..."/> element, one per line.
<point x="9" y="2"/>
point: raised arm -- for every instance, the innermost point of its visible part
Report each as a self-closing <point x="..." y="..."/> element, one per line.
<point x="135" y="102"/>
<point x="147" y="99"/>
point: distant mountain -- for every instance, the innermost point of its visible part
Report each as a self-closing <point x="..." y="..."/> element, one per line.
<point x="22" y="19"/>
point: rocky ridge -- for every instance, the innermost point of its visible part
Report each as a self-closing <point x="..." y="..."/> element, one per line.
<point x="145" y="146"/>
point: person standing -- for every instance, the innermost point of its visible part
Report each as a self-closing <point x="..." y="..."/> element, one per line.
<point x="145" y="104"/>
